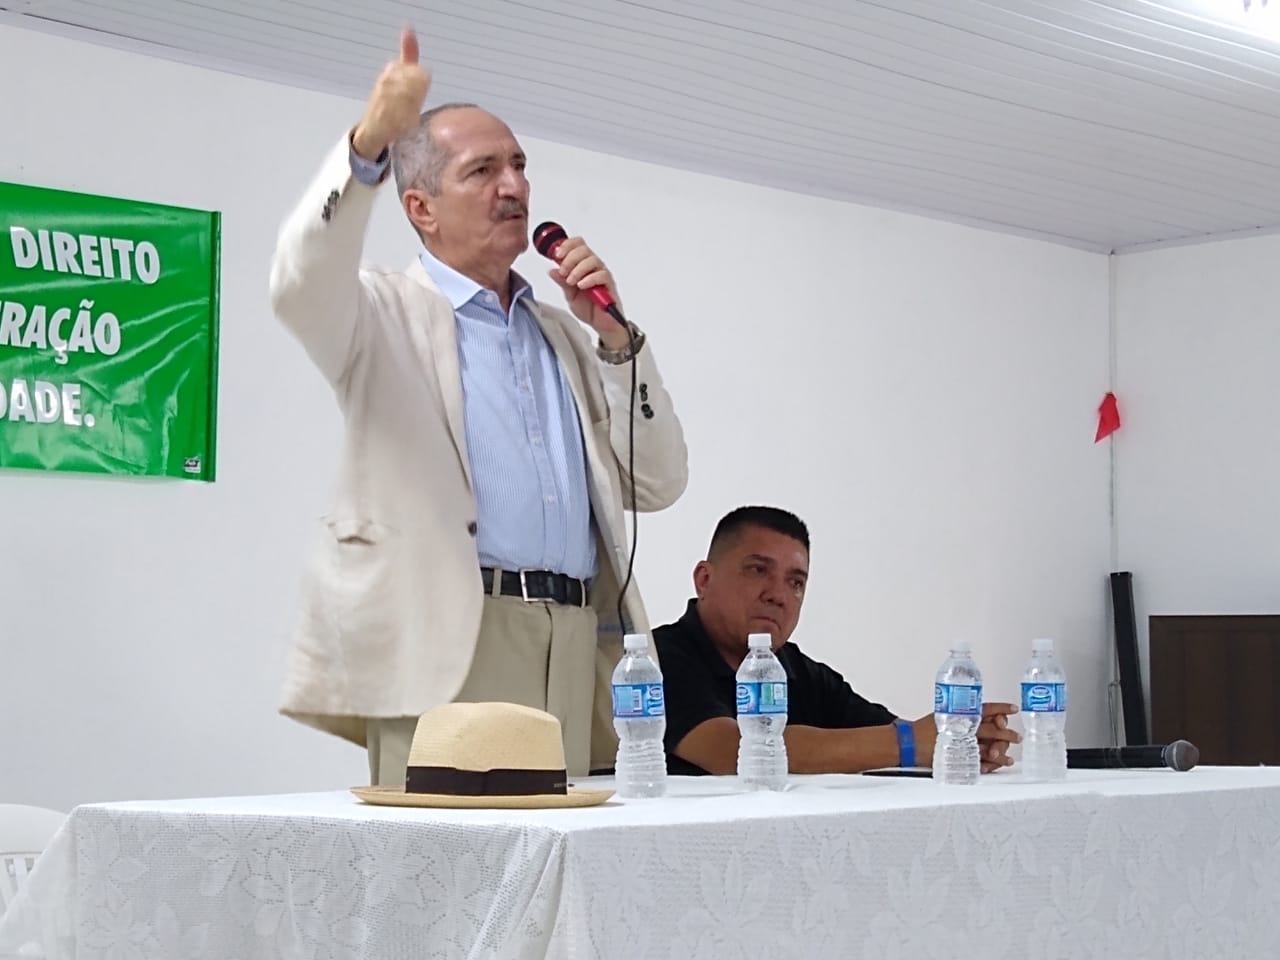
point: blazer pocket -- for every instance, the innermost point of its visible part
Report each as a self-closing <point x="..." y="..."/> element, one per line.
<point x="362" y="588"/>
<point x="352" y="530"/>
<point x="359" y="548"/>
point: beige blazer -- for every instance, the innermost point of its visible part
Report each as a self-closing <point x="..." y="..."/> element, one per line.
<point x="391" y="596"/>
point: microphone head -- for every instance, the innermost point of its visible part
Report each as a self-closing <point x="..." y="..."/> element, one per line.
<point x="1181" y="755"/>
<point x="545" y="237"/>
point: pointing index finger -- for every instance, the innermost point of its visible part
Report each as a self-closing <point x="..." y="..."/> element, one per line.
<point x="408" y="46"/>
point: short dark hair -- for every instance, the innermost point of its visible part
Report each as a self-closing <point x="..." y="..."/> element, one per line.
<point x="771" y="518"/>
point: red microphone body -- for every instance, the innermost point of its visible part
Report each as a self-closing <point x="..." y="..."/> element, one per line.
<point x="547" y="238"/>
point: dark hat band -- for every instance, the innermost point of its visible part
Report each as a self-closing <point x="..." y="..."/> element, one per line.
<point x="451" y="781"/>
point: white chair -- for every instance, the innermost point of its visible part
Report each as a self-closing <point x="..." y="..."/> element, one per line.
<point x="24" y="833"/>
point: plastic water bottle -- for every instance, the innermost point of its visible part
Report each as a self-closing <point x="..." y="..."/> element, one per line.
<point x="1044" y="715"/>
<point x="762" y="717"/>
<point x="640" y="720"/>
<point x="957" y="710"/>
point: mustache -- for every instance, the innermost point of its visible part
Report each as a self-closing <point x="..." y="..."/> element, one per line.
<point x="508" y="209"/>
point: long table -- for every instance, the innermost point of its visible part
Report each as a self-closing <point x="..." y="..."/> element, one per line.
<point x="1116" y="864"/>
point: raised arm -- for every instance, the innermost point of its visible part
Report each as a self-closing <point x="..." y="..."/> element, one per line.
<point x="316" y="290"/>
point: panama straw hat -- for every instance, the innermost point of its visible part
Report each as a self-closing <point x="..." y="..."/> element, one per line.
<point x="481" y="755"/>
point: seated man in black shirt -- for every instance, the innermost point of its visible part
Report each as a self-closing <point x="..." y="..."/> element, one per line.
<point x="753" y="581"/>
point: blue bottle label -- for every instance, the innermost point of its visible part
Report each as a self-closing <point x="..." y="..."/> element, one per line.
<point x="1044" y="697"/>
<point x="638" y="700"/>
<point x="769" y="697"/>
<point x="960" y="699"/>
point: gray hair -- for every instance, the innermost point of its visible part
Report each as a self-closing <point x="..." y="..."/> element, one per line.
<point x="418" y="159"/>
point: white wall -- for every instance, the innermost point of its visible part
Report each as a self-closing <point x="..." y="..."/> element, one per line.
<point x="921" y="393"/>
<point x="1198" y="457"/>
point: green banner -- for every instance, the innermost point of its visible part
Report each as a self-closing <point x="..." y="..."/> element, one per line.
<point x="108" y="334"/>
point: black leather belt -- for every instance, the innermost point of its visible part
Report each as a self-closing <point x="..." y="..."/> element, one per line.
<point x="536" y="586"/>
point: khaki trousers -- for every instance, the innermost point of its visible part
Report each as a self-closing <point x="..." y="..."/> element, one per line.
<point x="539" y="655"/>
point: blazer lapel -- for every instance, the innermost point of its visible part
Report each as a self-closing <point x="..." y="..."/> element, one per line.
<point x="599" y="484"/>
<point x="601" y="477"/>
<point x="568" y="363"/>
<point x="437" y="335"/>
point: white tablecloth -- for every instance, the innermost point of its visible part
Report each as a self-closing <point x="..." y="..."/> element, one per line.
<point x="1110" y="864"/>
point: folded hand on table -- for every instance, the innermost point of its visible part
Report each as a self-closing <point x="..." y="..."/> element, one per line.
<point x="995" y="736"/>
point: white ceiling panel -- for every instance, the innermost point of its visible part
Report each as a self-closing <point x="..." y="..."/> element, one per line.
<point x="1103" y="125"/>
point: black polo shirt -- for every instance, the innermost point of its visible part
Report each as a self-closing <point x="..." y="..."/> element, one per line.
<point x="699" y="685"/>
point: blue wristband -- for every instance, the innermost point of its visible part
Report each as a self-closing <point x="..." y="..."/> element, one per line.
<point x="906" y="743"/>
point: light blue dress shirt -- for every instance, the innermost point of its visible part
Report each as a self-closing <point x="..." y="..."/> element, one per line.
<point x="524" y="437"/>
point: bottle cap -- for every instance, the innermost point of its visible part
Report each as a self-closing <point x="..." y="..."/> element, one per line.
<point x="633" y="642"/>
<point x="961" y="646"/>
<point x="759" y="641"/>
<point x="1042" y="645"/>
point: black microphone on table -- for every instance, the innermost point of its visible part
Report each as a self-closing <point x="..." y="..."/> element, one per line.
<point x="1179" y="755"/>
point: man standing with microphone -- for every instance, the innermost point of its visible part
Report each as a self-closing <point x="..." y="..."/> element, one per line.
<point x="476" y="542"/>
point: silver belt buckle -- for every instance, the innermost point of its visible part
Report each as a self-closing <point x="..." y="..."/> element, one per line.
<point x="524" y="590"/>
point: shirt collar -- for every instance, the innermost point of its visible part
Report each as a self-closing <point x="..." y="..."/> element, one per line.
<point x="459" y="289"/>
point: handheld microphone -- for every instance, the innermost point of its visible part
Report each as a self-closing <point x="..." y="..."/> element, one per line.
<point x="547" y="238"/>
<point x="1179" y="755"/>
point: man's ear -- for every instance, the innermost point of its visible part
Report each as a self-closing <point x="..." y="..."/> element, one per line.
<point x="420" y="208"/>
<point x="701" y="577"/>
